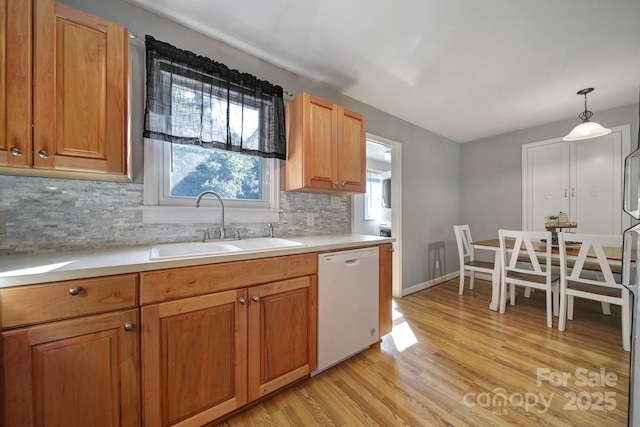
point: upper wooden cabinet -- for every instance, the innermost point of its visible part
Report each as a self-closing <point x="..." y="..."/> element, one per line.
<point x="64" y="93"/>
<point x="326" y="148"/>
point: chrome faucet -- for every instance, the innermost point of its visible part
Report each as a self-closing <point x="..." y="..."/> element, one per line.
<point x="213" y="193"/>
<point x="270" y="229"/>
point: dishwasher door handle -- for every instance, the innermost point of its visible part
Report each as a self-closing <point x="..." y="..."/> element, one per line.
<point x="352" y="262"/>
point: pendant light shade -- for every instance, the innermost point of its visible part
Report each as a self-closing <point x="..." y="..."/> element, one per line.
<point x="586" y="129"/>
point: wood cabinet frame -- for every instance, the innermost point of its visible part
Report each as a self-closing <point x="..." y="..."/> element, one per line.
<point x="64" y="91"/>
<point x="326" y="147"/>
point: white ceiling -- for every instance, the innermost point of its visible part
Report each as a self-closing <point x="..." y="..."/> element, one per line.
<point x="464" y="69"/>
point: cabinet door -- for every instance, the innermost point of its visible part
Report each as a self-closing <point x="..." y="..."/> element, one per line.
<point x="80" y="91"/>
<point x="15" y="83"/>
<point x="596" y="184"/>
<point x="194" y="358"/>
<point x="351" y="151"/>
<point x="580" y="178"/>
<point x="385" y="296"/>
<point x="81" y="372"/>
<point x="320" y="143"/>
<point x="547" y="183"/>
<point x="282" y="334"/>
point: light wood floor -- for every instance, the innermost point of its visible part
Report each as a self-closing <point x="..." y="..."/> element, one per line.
<point x="468" y="366"/>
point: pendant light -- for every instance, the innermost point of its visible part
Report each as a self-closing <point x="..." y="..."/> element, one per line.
<point x="586" y="129"/>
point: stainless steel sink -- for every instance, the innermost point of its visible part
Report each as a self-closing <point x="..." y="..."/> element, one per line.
<point x="201" y="249"/>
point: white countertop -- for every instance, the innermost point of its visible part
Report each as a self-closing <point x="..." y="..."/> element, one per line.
<point x="18" y="270"/>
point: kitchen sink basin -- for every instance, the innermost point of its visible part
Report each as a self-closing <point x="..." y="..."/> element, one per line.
<point x="265" y="243"/>
<point x="190" y="250"/>
<point x="200" y="249"/>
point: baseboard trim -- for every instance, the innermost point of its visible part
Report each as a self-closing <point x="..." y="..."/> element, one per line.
<point x="421" y="286"/>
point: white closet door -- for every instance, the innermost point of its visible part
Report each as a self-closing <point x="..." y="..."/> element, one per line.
<point x="596" y="184"/>
<point x="580" y="178"/>
<point x="547" y="183"/>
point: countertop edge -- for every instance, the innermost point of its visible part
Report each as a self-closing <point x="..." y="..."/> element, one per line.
<point x="18" y="270"/>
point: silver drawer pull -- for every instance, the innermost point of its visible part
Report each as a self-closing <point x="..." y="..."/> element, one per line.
<point x="242" y="301"/>
<point x="43" y="154"/>
<point x="128" y="326"/>
<point x="256" y="299"/>
<point x="75" y="290"/>
<point x="16" y="151"/>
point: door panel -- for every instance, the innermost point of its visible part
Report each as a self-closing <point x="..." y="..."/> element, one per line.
<point x="351" y="150"/>
<point x="320" y="167"/>
<point x="596" y="202"/>
<point x="80" y="91"/>
<point x="15" y="82"/>
<point x="282" y="334"/>
<point x="194" y="358"/>
<point x="548" y="182"/>
<point x="80" y="372"/>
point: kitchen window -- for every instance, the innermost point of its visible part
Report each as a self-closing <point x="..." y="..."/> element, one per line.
<point x="210" y="128"/>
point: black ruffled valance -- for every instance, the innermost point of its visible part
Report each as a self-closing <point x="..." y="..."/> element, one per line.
<point x="195" y="100"/>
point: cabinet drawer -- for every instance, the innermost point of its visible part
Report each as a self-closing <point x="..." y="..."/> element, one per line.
<point x="26" y="305"/>
<point x="165" y="285"/>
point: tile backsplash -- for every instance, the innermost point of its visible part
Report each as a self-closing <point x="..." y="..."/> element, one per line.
<point x="45" y="215"/>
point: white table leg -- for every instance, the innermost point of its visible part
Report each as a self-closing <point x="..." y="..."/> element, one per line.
<point x="495" y="282"/>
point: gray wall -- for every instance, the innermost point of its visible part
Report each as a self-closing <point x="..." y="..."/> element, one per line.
<point x="492" y="171"/>
<point x="431" y="164"/>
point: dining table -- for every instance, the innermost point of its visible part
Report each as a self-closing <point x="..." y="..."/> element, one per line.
<point x="613" y="254"/>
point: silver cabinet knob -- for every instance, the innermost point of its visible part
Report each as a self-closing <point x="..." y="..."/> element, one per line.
<point x="336" y="183"/>
<point x="256" y="299"/>
<point x="343" y="183"/>
<point x="75" y="290"/>
<point x="16" y="151"/>
<point x="43" y="154"/>
<point x="242" y="301"/>
<point x="128" y="326"/>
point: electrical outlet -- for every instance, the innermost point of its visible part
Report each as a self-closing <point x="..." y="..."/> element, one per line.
<point x="310" y="220"/>
<point x="3" y="222"/>
<point x="335" y="201"/>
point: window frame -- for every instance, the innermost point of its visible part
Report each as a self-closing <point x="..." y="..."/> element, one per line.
<point x="368" y="196"/>
<point x="157" y="208"/>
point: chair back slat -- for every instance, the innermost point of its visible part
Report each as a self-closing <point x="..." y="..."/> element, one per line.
<point x="591" y="260"/>
<point x="463" y="239"/>
<point x="526" y="247"/>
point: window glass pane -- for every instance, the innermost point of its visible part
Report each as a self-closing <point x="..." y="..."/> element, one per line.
<point x="231" y="175"/>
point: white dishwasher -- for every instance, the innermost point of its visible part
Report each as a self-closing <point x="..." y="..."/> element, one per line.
<point x="347" y="304"/>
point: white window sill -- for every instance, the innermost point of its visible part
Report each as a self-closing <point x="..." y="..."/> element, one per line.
<point x="192" y="215"/>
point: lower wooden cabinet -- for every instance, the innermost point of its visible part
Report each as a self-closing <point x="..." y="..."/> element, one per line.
<point x="80" y="372"/>
<point x="385" y="297"/>
<point x="194" y="358"/>
<point x="282" y="334"/>
<point x="209" y="340"/>
<point x="205" y="356"/>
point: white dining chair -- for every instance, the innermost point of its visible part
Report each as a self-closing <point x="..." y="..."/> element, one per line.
<point x="534" y="249"/>
<point x="589" y="275"/>
<point x="467" y="257"/>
